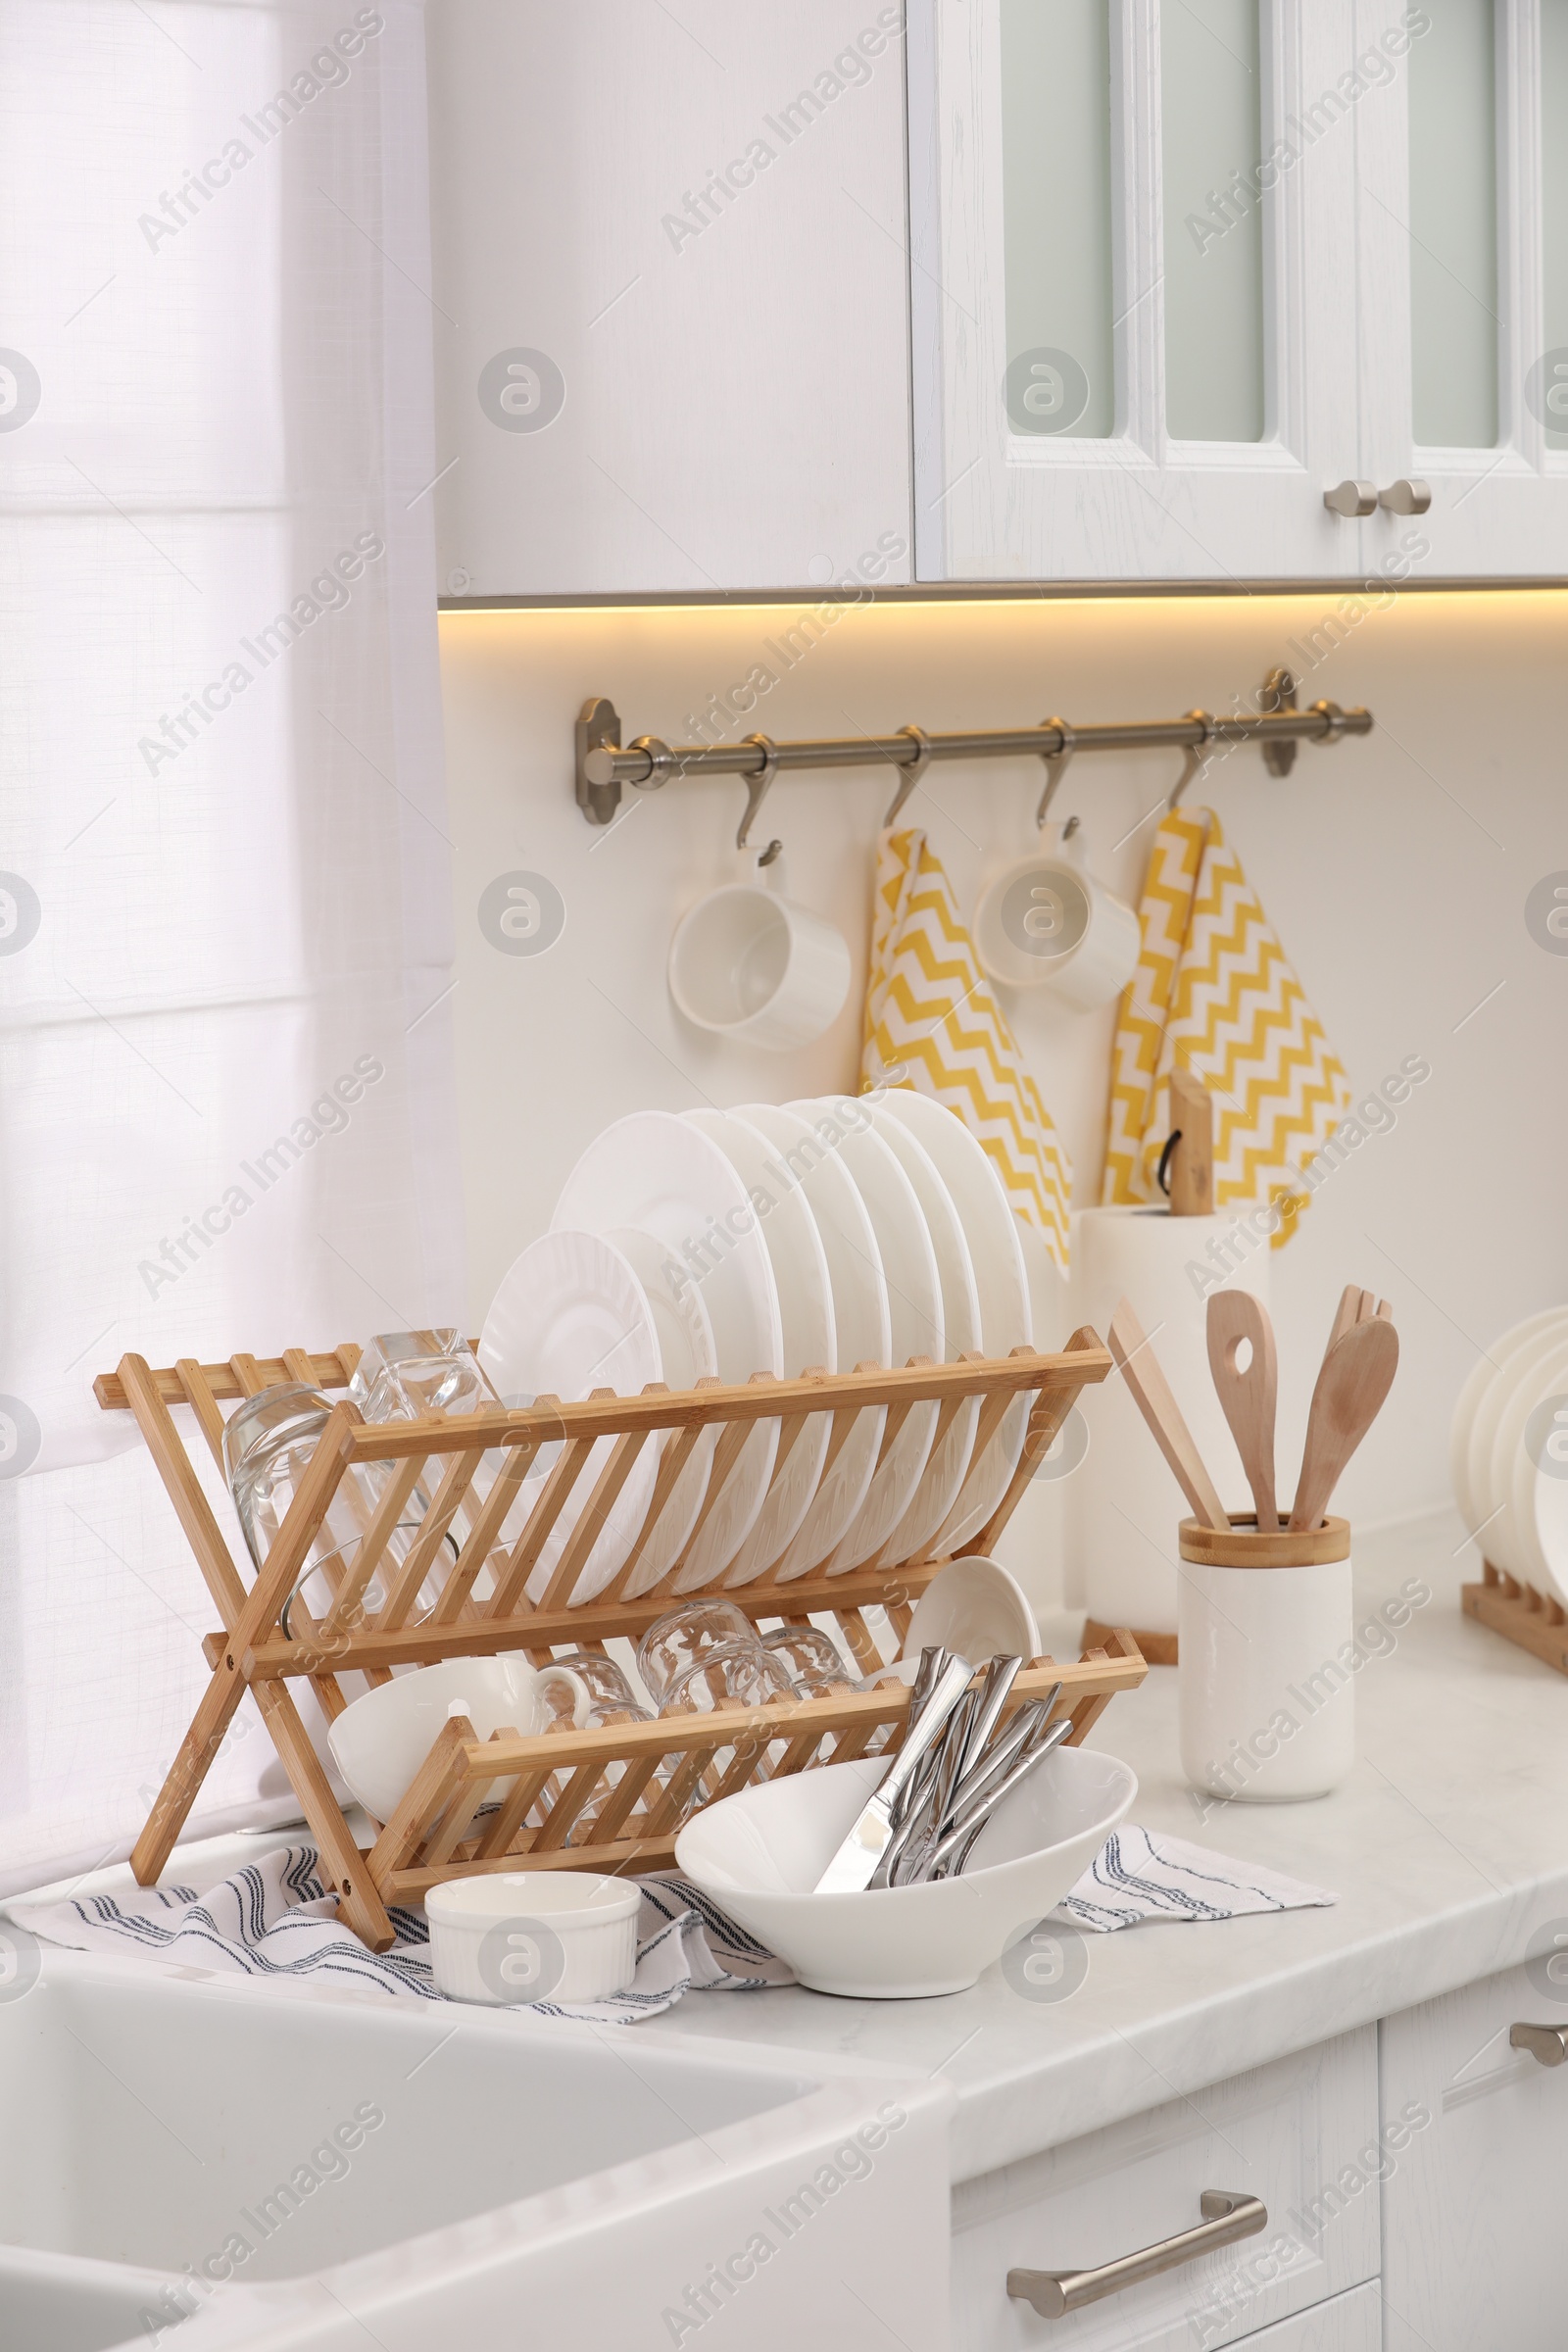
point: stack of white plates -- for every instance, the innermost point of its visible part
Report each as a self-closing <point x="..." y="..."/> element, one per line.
<point x="1508" y="1452"/>
<point x="830" y="1234"/>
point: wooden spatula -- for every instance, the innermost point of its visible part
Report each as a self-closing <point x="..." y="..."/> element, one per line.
<point x="1151" y="1392"/>
<point x="1249" y="1396"/>
<point x="1357" y="1374"/>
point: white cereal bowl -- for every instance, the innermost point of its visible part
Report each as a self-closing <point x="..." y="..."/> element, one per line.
<point x="759" y="1855"/>
<point x="381" y="1738"/>
<point x="533" y="1936"/>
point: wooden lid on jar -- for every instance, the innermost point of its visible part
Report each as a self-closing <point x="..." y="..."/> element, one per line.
<point x="1244" y="1548"/>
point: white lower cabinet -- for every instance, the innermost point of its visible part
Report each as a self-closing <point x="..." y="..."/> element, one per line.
<point x="1301" y="2135"/>
<point x="1352" y="2322"/>
<point x="1476" y="2209"/>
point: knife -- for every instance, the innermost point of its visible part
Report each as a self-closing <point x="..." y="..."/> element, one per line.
<point x="854" y="1864"/>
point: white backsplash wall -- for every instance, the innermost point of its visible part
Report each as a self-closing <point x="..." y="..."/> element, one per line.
<point x="1396" y="869"/>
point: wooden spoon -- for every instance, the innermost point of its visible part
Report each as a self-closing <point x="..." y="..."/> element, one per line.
<point x="1248" y="1397"/>
<point x="1151" y="1392"/>
<point x="1357" y="1374"/>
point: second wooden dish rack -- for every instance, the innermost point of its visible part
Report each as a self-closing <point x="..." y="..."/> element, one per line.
<point x="490" y="1805"/>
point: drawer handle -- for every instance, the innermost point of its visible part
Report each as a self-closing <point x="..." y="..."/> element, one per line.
<point x="1227" y="2215"/>
<point x="1546" y="2045"/>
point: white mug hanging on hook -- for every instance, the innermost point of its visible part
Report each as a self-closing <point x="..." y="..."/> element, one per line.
<point x="1046" y="922"/>
<point x="747" y="963"/>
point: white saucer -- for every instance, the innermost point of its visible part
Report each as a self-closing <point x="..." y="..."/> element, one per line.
<point x="655" y="1172"/>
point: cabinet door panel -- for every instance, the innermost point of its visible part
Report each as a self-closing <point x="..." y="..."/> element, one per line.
<point x="1453" y="273"/>
<point x="1475" y="2255"/>
<point x="697" y="216"/>
<point x="1285" y="2132"/>
<point x="1352" y="2322"/>
<point x="1006" y="491"/>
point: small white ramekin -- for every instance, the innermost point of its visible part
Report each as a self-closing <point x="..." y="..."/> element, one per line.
<point x="533" y="1936"/>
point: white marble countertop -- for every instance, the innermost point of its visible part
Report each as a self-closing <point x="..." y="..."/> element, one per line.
<point x="1447" y="1848"/>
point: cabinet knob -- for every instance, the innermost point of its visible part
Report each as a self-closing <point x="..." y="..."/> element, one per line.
<point x="1406" y="498"/>
<point x="1352" y="498"/>
<point x="1547" y="2045"/>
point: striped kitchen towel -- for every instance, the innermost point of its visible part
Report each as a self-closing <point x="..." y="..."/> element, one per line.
<point x="932" y="1023"/>
<point x="1215" y="993"/>
<point x="1137" y="1875"/>
<point x="273" y="1920"/>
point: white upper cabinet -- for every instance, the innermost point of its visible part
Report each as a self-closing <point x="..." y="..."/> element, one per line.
<point x="1463" y="284"/>
<point x="671" y="289"/>
<point x="1181" y="267"/>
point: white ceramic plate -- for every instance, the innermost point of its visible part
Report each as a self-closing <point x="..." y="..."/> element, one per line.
<point x="1490" y="1500"/>
<point x="653" y="1171"/>
<point x="805" y="1313"/>
<point x="1509" y="1541"/>
<point x="1001" y="1282"/>
<point x="686" y="1344"/>
<point x="860" y="1318"/>
<point x="954" y="1442"/>
<point x="571" y="1316"/>
<point x="915" y="1312"/>
<point x="1488" y="1366"/>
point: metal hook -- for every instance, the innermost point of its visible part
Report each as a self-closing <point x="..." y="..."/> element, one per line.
<point x="909" y="772"/>
<point x="1055" y="765"/>
<point x="1197" y="759"/>
<point x="756" y="783"/>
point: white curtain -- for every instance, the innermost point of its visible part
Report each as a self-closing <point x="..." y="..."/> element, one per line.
<point x="227" y="1111"/>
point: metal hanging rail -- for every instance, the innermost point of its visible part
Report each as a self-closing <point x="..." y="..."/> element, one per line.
<point x="604" y="765"/>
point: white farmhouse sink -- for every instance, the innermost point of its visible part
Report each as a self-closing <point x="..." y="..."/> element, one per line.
<point x="341" y="2174"/>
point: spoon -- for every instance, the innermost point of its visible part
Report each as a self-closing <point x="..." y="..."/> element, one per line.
<point x="1356" y="1376"/>
<point x="1248" y="1397"/>
<point x="1151" y="1392"/>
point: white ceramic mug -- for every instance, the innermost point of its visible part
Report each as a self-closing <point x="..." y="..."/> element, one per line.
<point x="1268" y="1696"/>
<point x="382" y="1739"/>
<point x="750" y="964"/>
<point x="1045" y="922"/>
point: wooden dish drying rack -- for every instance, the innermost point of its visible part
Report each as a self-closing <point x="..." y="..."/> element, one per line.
<point x="479" y="1805"/>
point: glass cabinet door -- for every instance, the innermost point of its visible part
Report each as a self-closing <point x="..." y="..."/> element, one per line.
<point x="1133" y="287"/>
<point x="1463" y="289"/>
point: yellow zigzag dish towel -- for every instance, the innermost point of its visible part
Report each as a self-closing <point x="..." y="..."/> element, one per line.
<point x="1213" y="991"/>
<point x="929" y="1008"/>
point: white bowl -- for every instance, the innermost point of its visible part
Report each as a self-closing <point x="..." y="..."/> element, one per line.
<point x="975" y="1607"/>
<point x="533" y="1936"/>
<point x="382" y="1739"/>
<point x="759" y="1855"/>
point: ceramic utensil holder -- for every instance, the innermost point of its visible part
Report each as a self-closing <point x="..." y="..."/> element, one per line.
<point x="1267" y="1699"/>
